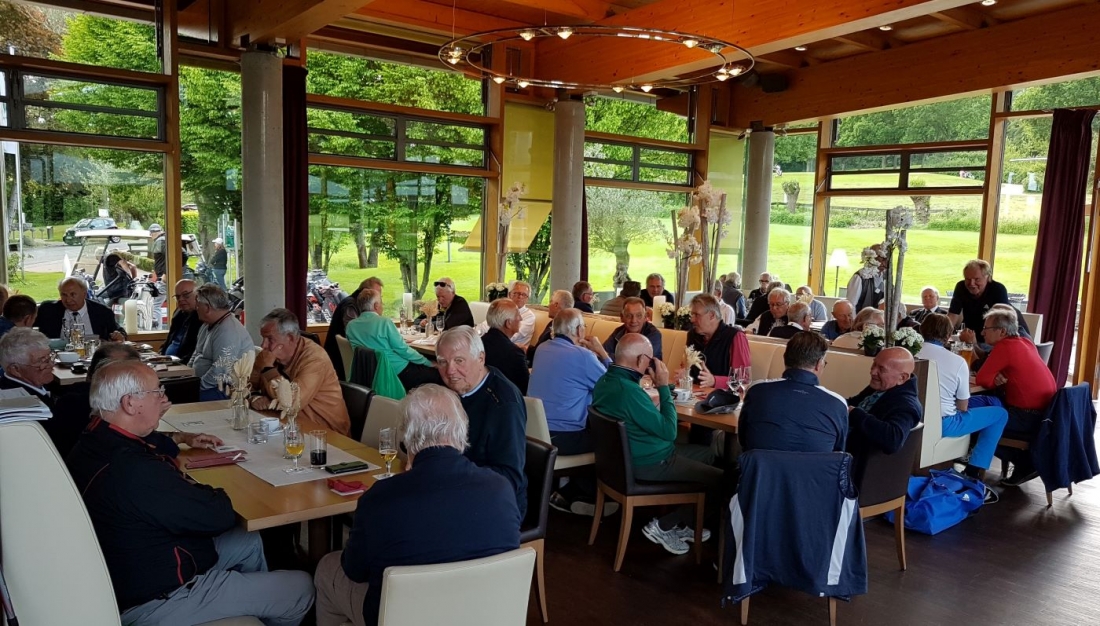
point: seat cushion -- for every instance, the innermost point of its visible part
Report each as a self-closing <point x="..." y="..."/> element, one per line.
<point x="652" y="488"/>
<point x="574" y="460"/>
<point x="235" y="621"/>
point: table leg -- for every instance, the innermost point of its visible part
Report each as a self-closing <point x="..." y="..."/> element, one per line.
<point x="320" y="538"/>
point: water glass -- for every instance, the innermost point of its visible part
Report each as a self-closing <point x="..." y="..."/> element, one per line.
<point x="439" y="322"/>
<point x="257" y="432"/>
<point x="318" y="448"/>
<point x="387" y="447"/>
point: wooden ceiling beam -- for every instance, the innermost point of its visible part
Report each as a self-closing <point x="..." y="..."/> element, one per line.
<point x="586" y="10"/>
<point x="289" y="20"/>
<point x="966" y="18"/>
<point x="1058" y="45"/>
<point x="762" y="26"/>
<point x="867" y="40"/>
<point x="788" y="59"/>
<point x="430" y="17"/>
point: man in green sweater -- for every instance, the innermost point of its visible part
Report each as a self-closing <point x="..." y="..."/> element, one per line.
<point x="652" y="434"/>
<point x="371" y="330"/>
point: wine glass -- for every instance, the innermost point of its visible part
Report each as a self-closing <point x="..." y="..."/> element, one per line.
<point x="295" y="445"/>
<point x="439" y="321"/>
<point x="387" y="446"/>
<point x="734" y="382"/>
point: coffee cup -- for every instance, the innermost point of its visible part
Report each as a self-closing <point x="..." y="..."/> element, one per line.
<point x="68" y="357"/>
<point x="683" y="395"/>
<point x="271" y="425"/>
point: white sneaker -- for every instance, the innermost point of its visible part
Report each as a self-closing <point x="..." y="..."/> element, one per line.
<point x="687" y="533"/>
<point x="669" y="539"/>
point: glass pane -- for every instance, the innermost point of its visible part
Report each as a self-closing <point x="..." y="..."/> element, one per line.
<point x="651" y="156"/>
<point x="869" y="162"/>
<point x="611" y="151"/>
<point x="792" y="209"/>
<point x="4" y="114"/>
<point x="359" y="78"/>
<point x="1074" y="93"/>
<point x="51" y="33"/>
<point x="954" y="120"/>
<point x="963" y="178"/>
<point x="407" y="229"/>
<point x="88" y="122"/>
<point x="659" y="175"/>
<point x="607" y="170"/>
<point x="943" y="238"/>
<point x="639" y="119"/>
<point x="81" y="92"/>
<point x="445" y="133"/>
<point x="865" y="181"/>
<point x="352" y="146"/>
<point x="361" y="123"/>
<point x="969" y="158"/>
<point x="629" y="229"/>
<point x="69" y="197"/>
<point x="449" y="156"/>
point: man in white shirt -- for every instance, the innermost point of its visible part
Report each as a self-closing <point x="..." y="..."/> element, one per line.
<point x="728" y="314"/>
<point x="520" y="293"/>
<point x="56" y="318"/>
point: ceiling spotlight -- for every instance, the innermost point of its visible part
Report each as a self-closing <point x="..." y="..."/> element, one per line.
<point x="499" y="79"/>
<point x="617" y="89"/>
<point x="714" y="48"/>
<point x="647" y="88"/>
<point x="736" y="70"/>
<point x="691" y="43"/>
<point x="800" y="48"/>
<point x="886" y="27"/>
<point x="988" y="3"/>
<point x="722" y="76"/>
<point x="523" y="84"/>
<point x="528" y="35"/>
<point x="564" y="32"/>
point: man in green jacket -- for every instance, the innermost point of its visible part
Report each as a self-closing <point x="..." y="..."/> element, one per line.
<point x="371" y="330"/>
<point x="652" y="434"/>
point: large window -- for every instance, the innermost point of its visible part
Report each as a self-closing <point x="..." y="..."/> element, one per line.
<point x="620" y="160"/>
<point x="953" y="120"/>
<point x="792" y="208"/>
<point x="620" y="116"/>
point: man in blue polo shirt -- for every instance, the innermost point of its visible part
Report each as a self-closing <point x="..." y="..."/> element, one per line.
<point x="795" y="413"/>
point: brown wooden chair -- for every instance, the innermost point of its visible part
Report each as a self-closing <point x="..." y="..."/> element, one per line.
<point x="357" y="398"/>
<point x="883" y="481"/>
<point x="539" y="469"/>
<point x="1020" y="444"/>
<point x="615" y="480"/>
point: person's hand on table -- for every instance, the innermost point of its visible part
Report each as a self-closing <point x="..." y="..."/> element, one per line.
<point x="263" y="403"/>
<point x="660" y="373"/>
<point x="1000" y="380"/>
<point x="117" y="336"/>
<point x="968" y="336"/>
<point x="706" y="379"/>
<point x="197" y="440"/>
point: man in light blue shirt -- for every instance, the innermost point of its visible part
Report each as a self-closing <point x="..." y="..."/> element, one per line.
<point x="371" y="330"/>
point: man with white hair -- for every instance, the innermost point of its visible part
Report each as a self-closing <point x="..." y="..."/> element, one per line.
<point x="779" y="299"/>
<point x="634" y="320"/>
<point x="183" y="332"/>
<point x="930" y="303"/>
<point x="26" y="363"/>
<point x="503" y="320"/>
<point x="973" y="297"/>
<point x="729" y="316"/>
<point x="373" y="331"/>
<point x="765" y="280"/>
<point x="498" y="415"/>
<point x="453" y="308"/>
<point x="221" y="342"/>
<point x="288" y="356"/>
<point x="798" y="320"/>
<point x="559" y="300"/>
<point x="442" y="509"/>
<point x="732" y="295"/>
<point x="817" y="310"/>
<point x="520" y="293"/>
<point x="57" y="317"/>
<point x="173" y="547"/>
<point x="843" y="318"/>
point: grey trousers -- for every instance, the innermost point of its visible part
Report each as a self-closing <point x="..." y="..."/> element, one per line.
<point x="690" y="463"/>
<point x="339" y="600"/>
<point x="238" y="585"/>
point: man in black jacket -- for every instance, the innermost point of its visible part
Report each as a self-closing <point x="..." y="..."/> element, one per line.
<point x="881" y="416"/>
<point x="504" y="319"/>
<point x="453" y="308"/>
<point x="498" y="415"/>
<point x="442" y="509"/>
<point x="183" y="333"/>
<point x="798" y="320"/>
<point x="56" y="317"/>
<point x="172" y="546"/>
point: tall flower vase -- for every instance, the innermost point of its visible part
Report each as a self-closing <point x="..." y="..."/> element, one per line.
<point x="239" y="421"/>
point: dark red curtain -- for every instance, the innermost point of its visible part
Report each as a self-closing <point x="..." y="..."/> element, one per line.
<point x="584" y="236"/>
<point x="1056" y="273"/>
<point x="295" y="189"/>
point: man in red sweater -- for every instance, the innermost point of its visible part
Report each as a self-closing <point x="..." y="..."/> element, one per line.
<point x="1014" y="367"/>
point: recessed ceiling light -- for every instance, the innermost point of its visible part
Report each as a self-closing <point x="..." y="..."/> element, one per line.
<point x="722" y="77"/>
<point x="988" y="3"/>
<point x="887" y="27"/>
<point x="736" y="70"/>
<point x="800" y="48"/>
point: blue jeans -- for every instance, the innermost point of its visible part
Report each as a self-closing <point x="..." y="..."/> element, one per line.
<point x="219" y="277"/>
<point x="984" y="416"/>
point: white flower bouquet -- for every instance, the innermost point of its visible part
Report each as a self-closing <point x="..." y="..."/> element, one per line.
<point x="873" y="338"/>
<point x="909" y="339"/>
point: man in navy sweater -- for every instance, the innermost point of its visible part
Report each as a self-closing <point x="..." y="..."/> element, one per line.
<point x="495" y="407"/>
<point x="441" y="509"/>
<point x="882" y="415"/>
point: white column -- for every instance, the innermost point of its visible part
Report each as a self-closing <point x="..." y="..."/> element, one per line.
<point x="262" y="185"/>
<point x="758" y="205"/>
<point x="566" y="227"/>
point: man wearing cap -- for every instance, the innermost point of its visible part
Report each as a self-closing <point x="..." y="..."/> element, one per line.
<point x="219" y="262"/>
<point x="159" y="249"/>
<point x="453" y="308"/>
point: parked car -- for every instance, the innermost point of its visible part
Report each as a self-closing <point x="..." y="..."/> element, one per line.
<point x="89" y="223"/>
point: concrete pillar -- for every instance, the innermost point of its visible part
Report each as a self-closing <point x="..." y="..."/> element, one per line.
<point x="758" y="205"/>
<point x="262" y="185"/>
<point x="566" y="227"/>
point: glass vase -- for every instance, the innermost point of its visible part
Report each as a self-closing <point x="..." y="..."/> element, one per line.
<point x="239" y="421"/>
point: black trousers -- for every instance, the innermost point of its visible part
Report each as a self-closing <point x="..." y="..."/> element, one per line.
<point x="1023" y="424"/>
<point x="582" y="485"/>
<point x="416" y="374"/>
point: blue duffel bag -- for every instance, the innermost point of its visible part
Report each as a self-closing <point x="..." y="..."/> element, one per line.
<point x="936" y="503"/>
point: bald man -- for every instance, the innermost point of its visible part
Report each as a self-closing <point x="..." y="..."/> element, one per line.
<point x="56" y="317"/>
<point x="881" y="416"/>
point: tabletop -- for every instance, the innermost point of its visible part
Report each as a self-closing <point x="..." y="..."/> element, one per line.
<point x="427" y="350"/>
<point x="66" y="376"/>
<point x="260" y="505"/>
<point x="723" y="421"/>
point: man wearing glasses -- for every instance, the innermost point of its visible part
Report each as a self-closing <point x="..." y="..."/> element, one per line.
<point x="520" y="293"/>
<point x="172" y="546"/>
<point x="453" y="308"/>
<point x="27" y="364"/>
<point x="183" y="333"/>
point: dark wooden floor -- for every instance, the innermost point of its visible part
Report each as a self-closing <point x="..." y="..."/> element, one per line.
<point x="1015" y="562"/>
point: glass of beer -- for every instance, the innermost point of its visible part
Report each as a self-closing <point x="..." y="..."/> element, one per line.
<point x="295" y="445"/>
<point x="387" y="446"/>
<point x="318" y="448"/>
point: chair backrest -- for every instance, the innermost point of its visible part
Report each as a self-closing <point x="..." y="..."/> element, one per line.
<point x="1045" y="348"/>
<point x="883" y="477"/>
<point x="357" y="398"/>
<point x="492" y="591"/>
<point x="345" y="354"/>
<point x="52" y="561"/>
<point x="383" y="413"/>
<point x="536" y="419"/>
<point x="314" y="337"/>
<point x="539" y="468"/>
<point x="1035" y="323"/>
<point x="613" y="465"/>
<point x="479" y="310"/>
<point x="181" y="390"/>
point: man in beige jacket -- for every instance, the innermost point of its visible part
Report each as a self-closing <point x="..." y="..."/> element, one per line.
<point x="287" y="354"/>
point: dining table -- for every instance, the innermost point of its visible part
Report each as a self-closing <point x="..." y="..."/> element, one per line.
<point x="66" y="376"/>
<point x="259" y="504"/>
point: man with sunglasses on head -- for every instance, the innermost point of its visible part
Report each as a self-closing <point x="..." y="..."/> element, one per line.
<point x="453" y="308"/>
<point x="183" y="332"/>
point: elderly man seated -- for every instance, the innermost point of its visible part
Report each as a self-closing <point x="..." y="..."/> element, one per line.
<point x="442" y="509"/>
<point x="287" y="355"/>
<point x="503" y="319"/>
<point x="652" y="432"/>
<point x="843" y="318"/>
<point x="634" y="321"/>
<point x="498" y="415"/>
<point x="732" y="295"/>
<point x="729" y="316"/>
<point x="795" y="413"/>
<point x="19" y="311"/>
<point x="345" y="312"/>
<point x="867" y="317"/>
<point x="373" y="331"/>
<point x="582" y="296"/>
<point x="614" y="306"/>
<point x="1014" y="367"/>
<point x="565" y="372"/>
<point x="57" y="317"/>
<point x="798" y="320"/>
<point x="723" y="347"/>
<point x="930" y="303"/>
<point x="183" y="332"/>
<point x="73" y="411"/>
<point x="221" y="342"/>
<point x="655" y="286"/>
<point x="454" y="311"/>
<point x="520" y="293"/>
<point x="779" y="299"/>
<point x="559" y="301"/>
<point x="881" y="416"/>
<point x="173" y="547"/>
<point x="765" y="281"/>
<point x="817" y="310"/>
<point x="26" y="363"/>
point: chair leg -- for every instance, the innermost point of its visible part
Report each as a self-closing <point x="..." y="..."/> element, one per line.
<point x="1050" y="499"/>
<point x="699" y="528"/>
<point x="1070" y="487"/>
<point x="832" y="611"/>
<point x="540" y="578"/>
<point x="899" y="534"/>
<point x="721" y="548"/>
<point x="624" y="531"/>
<point x="744" y="612"/>
<point x="596" y="518"/>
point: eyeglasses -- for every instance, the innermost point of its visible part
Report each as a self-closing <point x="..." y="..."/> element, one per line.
<point x="520" y="294"/>
<point x="160" y="391"/>
<point x="181" y="296"/>
<point x="41" y="363"/>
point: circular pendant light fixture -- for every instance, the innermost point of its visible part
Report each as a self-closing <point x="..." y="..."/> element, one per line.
<point x="469" y="54"/>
